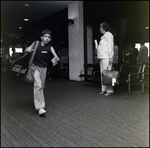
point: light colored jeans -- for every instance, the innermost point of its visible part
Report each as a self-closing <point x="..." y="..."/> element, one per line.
<point x="39" y="75"/>
<point x="103" y="65"/>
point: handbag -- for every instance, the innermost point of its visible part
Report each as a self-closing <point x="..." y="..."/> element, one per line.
<point x="110" y="77"/>
<point x="29" y="76"/>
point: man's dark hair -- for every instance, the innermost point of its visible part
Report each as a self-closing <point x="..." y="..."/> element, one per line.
<point x="142" y="42"/>
<point x="46" y="31"/>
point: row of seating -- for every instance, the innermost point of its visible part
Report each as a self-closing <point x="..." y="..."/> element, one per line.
<point x="60" y="71"/>
<point x="127" y="74"/>
<point x="134" y="74"/>
<point x="91" y="72"/>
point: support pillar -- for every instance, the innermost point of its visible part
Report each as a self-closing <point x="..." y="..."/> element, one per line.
<point x="90" y="41"/>
<point x="76" y="40"/>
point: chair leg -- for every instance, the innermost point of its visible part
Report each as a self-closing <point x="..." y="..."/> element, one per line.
<point x="129" y="87"/>
<point x="81" y="81"/>
<point x="142" y="87"/>
<point x="94" y="80"/>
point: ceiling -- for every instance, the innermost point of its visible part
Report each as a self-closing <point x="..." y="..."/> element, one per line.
<point x="13" y="13"/>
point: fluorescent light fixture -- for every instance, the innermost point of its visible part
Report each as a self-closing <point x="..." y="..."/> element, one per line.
<point x="26" y="20"/>
<point x="146" y="27"/>
<point x="20" y="27"/>
<point x="26" y="5"/>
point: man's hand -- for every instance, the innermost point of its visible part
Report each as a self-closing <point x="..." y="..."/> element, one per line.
<point x="28" y="49"/>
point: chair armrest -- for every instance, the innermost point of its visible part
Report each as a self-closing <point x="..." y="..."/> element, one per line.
<point x="145" y="74"/>
<point x="134" y="74"/>
<point x="83" y="71"/>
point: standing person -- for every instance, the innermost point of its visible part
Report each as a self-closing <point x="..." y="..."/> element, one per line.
<point x="105" y="54"/>
<point x="116" y="52"/>
<point x="40" y="63"/>
<point x="135" y="54"/>
<point x="143" y="54"/>
<point x="116" y="57"/>
<point x="116" y="48"/>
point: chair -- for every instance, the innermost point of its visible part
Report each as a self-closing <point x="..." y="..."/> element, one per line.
<point x="64" y="72"/>
<point x="96" y="73"/>
<point x="87" y="73"/>
<point x="64" y="65"/>
<point x="48" y="73"/>
<point x="130" y="74"/>
<point x="145" y="76"/>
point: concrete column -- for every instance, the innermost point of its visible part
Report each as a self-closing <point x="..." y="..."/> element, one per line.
<point x="90" y="41"/>
<point x="76" y="40"/>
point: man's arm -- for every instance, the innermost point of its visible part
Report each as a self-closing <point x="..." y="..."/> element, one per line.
<point x="30" y="48"/>
<point x="54" y="53"/>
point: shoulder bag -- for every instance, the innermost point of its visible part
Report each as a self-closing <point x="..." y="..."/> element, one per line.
<point x="29" y="76"/>
<point x="110" y="77"/>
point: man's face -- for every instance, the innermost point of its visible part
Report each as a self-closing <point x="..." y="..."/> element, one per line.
<point x="46" y="38"/>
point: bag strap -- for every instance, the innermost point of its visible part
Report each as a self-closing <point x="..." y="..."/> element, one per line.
<point x="35" y="47"/>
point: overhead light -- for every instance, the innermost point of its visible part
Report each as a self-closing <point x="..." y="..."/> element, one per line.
<point x="26" y="20"/>
<point x="146" y="27"/>
<point x="20" y="27"/>
<point x="26" y="5"/>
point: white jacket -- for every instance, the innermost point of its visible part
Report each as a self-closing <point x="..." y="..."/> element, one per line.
<point x="105" y="47"/>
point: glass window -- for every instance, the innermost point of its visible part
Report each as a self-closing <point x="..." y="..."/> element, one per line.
<point x="137" y="45"/>
<point x="18" y="50"/>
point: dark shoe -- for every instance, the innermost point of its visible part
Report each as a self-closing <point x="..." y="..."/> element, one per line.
<point x="109" y="94"/>
<point x="102" y="93"/>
